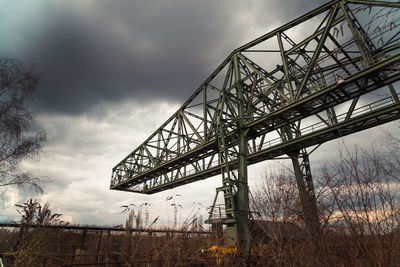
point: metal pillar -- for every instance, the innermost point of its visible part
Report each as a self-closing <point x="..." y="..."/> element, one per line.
<point x="234" y="175"/>
<point x="308" y="200"/>
<point x="242" y="195"/>
<point x="228" y="182"/>
<point x="304" y="181"/>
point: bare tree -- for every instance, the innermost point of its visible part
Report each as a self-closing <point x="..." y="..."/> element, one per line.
<point x="16" y="142"/>
<point x="359" y="206"/>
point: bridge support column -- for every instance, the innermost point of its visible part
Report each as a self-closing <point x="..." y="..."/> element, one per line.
<point x="308" y="200"/>
<point x="242" y="195"/>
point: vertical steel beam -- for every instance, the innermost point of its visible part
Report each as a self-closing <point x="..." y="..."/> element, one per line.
<point x="242" y="195"/>
<point x="227" y="188"/>
<point x="308" y="200"/>
<point x="394" y="94"/>
<point x="305" y="185"/>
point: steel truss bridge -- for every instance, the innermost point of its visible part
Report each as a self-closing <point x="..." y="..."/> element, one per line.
<point x="329" y="73"/>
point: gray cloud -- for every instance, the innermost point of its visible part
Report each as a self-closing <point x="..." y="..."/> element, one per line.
<point x="92" y="52"/>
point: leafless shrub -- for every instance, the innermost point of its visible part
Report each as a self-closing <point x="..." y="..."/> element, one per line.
<point x="277" y="198"/>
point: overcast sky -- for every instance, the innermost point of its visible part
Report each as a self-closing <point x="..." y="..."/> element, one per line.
<point x="111" y="73"/>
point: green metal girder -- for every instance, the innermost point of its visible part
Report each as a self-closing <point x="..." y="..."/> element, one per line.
<point x="289" y="113"/>
<point x="183" y="149"/>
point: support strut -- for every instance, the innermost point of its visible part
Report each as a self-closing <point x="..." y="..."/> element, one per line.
<point x="305" y="185"/>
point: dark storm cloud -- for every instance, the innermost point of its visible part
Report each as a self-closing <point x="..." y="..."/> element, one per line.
<point x="91" y="52"/>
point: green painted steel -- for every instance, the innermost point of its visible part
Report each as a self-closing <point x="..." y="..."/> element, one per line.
<point x="276" y="95"/>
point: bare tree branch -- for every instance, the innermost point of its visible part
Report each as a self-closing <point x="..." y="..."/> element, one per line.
<point x="17" y="85"/>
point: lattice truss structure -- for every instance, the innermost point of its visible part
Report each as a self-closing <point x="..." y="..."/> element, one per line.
<point x="329" y="73"/>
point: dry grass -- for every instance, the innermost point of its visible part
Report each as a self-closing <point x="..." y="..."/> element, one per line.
<point x="359" y="203"/>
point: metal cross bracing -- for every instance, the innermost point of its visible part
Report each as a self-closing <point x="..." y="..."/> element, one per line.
<point x="276" y="95"/>
<point x="189" y="137"/>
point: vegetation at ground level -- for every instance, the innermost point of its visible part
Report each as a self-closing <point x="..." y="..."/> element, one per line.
<point x="358" y="200"/>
